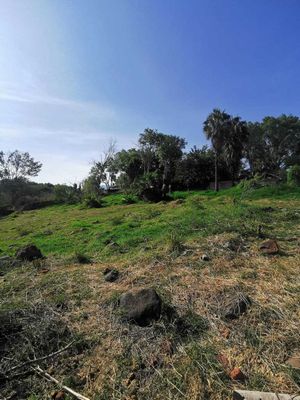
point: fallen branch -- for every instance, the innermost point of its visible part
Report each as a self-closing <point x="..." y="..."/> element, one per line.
<point x="253" y="395"/>
<point x="29" y="362"/>
<point x="40" y="371"/>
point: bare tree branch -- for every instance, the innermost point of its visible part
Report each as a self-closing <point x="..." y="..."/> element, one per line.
<point x="40" y="371"/>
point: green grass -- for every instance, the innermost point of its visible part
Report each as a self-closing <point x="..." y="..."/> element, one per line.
<point x="161" y="245"/>
<point x="136" y="230"/>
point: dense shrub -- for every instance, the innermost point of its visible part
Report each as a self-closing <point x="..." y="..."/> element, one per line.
<point x="92" y="201"/>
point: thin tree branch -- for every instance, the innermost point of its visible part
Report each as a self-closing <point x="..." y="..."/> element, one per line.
<point x="40" y="371"/>
<point x="29" y="362"/>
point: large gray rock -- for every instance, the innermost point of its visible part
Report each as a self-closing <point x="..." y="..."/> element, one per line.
<point x="29" y="253"/>
<point x="141" y="307"/>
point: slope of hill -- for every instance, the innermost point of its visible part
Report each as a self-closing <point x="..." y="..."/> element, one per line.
<point x="192" y="349"/>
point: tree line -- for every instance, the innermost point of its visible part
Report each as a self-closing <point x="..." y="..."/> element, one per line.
<point x="239" y="149"/>
<point x="160" y="162"/>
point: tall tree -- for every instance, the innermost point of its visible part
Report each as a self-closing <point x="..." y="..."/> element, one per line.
<point x="216" y="127"/>
<point x="274" y="144"/>
<point x="161" y="152"/>
<point x="234" y="145"/>
<point x="17" y="165"/>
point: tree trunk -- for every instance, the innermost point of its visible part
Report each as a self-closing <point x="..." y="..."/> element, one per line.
<point x="216" y="174"/>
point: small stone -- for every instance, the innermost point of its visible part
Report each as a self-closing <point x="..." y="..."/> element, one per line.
<point x="237" y="375"/>
<point x="294" y="361"/>
<point x="58" y="395"/>
<point x="204" y="257"/>
<point x="111" y="275"/>
<point x="44" y="271"/>
<point x="269" y="247"/>
<point x="223" y="360"/>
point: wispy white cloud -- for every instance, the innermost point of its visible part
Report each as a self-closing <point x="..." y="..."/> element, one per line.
<point x="64" y="134"/>
<point x="10" y="93"/>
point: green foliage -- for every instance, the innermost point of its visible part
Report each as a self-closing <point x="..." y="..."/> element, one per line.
<point x="176" y="244"/>
<point x="17" y="165"/>
<point x="293" y="175"/>
<point x="228" y="136"/>
<point x="273" y="144"/>
<point x="92" y="193"/>
<point x="248" y="185"/>
<point x="67" y="194"/>
<point x="144" y="229"/>
<point x="129" y="199"/>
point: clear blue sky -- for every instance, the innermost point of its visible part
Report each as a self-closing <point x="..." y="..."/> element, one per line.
<point x="75" y="73"/>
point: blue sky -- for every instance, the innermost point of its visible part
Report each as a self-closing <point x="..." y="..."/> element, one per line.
<point x="75" y="73"/>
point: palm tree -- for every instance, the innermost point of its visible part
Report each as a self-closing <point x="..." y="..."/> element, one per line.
<point x="216" y="129"/>
<point x="234" y="144"/>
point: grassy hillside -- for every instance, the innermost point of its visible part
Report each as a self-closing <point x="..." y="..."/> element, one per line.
<point x="160" y="245"/>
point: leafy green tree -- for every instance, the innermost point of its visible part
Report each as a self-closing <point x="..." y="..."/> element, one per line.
<point x="255" y="151"/>
<point x="128" y="162"/>
<point x="195" y="170"/>
<point x="17" y="165"/>
<point x="293" y="175"/>
<point x="160" y="153"/>
<point x="216" y="127"/>
<point x="274" y="144"/>
<point x="234" y="145"/>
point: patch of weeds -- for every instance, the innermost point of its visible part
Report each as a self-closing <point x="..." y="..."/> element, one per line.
<point x="30" y="333"/>
<point x="257" y="381"/>
<point x="204" y="359"/>
<point x="197" y="202"/>
<point x="74" y="381"/>
<point x="81" y="258"/>
<point x="60" y="300"/>
<point x="293" y="289"/>
<point x="191" y="324"/>
<point x="295" y="375"/>
<point x="134" y="224"/>
<point x="175" y="243"/>
<point x="150" y="214"/>
<point x="249" y="275"/>
<point x="116" y="221"/>
<point x="252" y="337"/>
<point x="24" y="232"/>
<point x="83" y="343"/>
<point x="129" y="199"/>
<point x="114" y="299"/>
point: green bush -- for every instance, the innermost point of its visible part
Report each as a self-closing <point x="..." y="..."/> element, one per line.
<point x="91" y="201"/>
<point x="293" y="175"/>
<point x="129" y="199"/>
<point x="254" y="183"/>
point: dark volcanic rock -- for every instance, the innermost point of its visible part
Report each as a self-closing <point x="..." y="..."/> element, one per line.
<point x="237" y="306"/>
<point x="141" y="307"/>
<point x="111" y="275"/>
<point x="29" y="253"/>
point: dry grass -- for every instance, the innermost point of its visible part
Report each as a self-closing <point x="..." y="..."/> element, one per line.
<point x="182" y="355"/>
